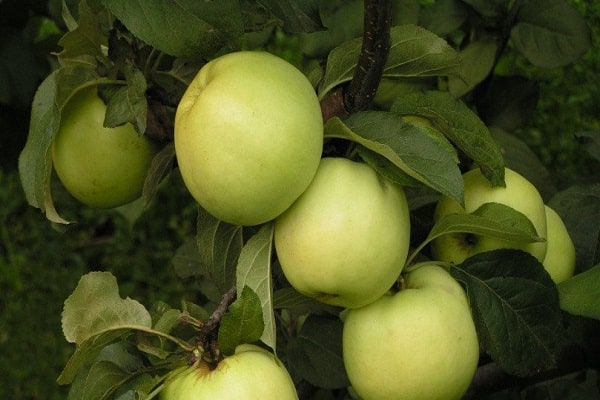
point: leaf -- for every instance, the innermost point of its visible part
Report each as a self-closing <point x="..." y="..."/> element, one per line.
<point x="316" y="353"/>
<point x="35" y="164"/>
<point x="417" y="154"/>
<point x="550" y="33"/>
<point x="489" y="8"/>
<point x="86" y="353"/>
<point x="128" y="103"/>
<point x="254" y="271"/>
<point x="103" y="378"/>
<point x="184" y="28"/>
<point x="95" y="307"/>
<point x="297" y="15"/>
<point x="477" y="60"/>
<point x="414" y="53"/>
<point x="491" y="219"/>
<point x="220" y="245"/>
<point x="160" y="167"/>
<point x="243" y="322"/>
<point x="580" y="294"/>
<point x="83" y="45"/>
<point x="444" y="16"/>
<point x="290" y="299"/>
<point x="515" y="308"/>
<point x="579" y="207"/>
<point x="460" y="124"/>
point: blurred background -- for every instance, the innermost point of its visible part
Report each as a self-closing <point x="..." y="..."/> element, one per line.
<point x="40" y="263"/>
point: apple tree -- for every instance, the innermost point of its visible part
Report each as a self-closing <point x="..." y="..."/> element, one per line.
<point x="441" y="207"/>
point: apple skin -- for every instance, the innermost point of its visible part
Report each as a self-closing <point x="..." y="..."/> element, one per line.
<point x="560" y="256"/>
<point x="344" y="242"/>
<point x="248" y="136"/>
<point x="101" y="167"/>
<point x="419" y="343"/>
<point x="519" y="193"/>
<point x="251" y="373"/>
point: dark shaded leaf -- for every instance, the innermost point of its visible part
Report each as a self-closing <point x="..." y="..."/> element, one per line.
<point x="515" y="308"/>
<point x="243" y="322"/>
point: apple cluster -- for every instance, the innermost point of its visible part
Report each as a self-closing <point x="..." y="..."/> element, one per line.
<point x="556" y="252"/>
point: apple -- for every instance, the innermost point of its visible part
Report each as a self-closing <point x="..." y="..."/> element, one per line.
<point x="419" y="343"/>
<point x="251" y="373"/>
<point x="519" y="194"/>
<point x="560" y="256"/>
<point x="248" y="136"/>
<point x="101" y="167"/>
<point x="345" y="240"/>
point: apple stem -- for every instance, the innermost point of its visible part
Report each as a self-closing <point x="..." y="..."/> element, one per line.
<point x="359" y="93"/>
<point x="207" y="335"/>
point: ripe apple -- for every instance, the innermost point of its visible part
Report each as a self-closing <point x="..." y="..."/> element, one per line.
<point x="345" y="240"/>
<point x="101" y="167"/>
<point x="251" y="373"/>
<point x="519" y="194"/>
<point x="560" y="256"/>
<point x="248" y="136"/>
<point x="419" y="343"/>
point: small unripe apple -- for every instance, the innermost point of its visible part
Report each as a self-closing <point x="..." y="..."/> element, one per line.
<point x="344" y="242"/>
<point x="519" y="194"/>
<point x="560" y="256"/>
<point x="251" y="373"/>
<point x="417" y="344"/>
<point x="101" y="167"/>
<point x="248" y="136"/>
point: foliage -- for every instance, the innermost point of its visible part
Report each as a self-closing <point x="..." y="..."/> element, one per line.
<point x="470" y="69"/>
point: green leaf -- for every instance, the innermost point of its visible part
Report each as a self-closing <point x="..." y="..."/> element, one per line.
<point x="290" y="299"/>
<point x="579" y="207"/>
<point x="477" y="60"/>
<point x="243" y="322"/>
<point x="417" y="154"/>
<point x="220" y="245"/>
<point x="444" y="16"/>
<point x="491" y="219"/>
<point x="460" y="124"/>
<point x="35" y="161"/>
<point x="515" y="308"/>
<point x="550" y="33"/>
<point x="489" y="8"/>
<point x="296" y="15"/>
<point x="184" y="28"/>
<point x="160" y="167"/>
<point x="316" y="352"/>
<point x="95" y="307"/>
<point x="83" y="45"/>
<point x="128" y="103"/>
<point x="414" y="53"/>
<point x="86" y="353"/>
<point x="254" y="271"/>
<point x="580" y="295"/>
<point x="101" y="381"/>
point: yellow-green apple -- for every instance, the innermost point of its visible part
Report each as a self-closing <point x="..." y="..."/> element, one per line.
<point x="101" y="167"/>
<point x="248" y="136"/>
<point x="519" y="194"/>
<point x="345" y="240"/>
<point x="560" y="256"/>
<point x="251" y="373"/>
<point x="417" y="344"/>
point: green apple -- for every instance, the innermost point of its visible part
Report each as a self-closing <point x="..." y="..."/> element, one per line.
<point x="519" y="194"/>
<point x="248" y="136"/>
<point x="101" y="167"/>
<point x="560" y="256"/>
<point x="345" y="240"/>
<point x="419" y="343"/>
<point x="251" y="373"/>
